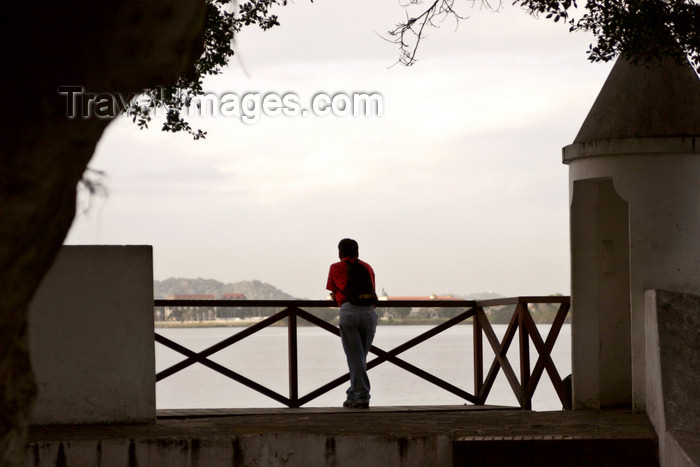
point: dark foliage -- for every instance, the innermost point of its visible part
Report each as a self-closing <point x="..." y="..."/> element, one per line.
<point x="222" y="24"/>
<point x="639" y="29"/>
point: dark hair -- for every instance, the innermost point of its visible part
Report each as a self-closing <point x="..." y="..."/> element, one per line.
<point x="348" y="248"/>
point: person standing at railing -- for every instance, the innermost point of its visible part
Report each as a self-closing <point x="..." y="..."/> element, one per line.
<point x="352" y="286"/>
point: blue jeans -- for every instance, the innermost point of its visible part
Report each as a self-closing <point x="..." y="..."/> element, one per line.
<point x="357" y="327"/>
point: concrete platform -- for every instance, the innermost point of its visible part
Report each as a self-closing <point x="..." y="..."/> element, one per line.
<point x="379" y="436"/>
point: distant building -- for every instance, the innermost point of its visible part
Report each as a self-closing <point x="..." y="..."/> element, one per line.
<point x="228" y="312"/>
<point x="189" y="313"/>
<point x="429" y="297"/>
<point x="196" y="313"/>
<point x="233" y="296"/>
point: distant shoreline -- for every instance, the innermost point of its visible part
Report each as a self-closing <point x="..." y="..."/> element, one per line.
<point x="246" y="323"/>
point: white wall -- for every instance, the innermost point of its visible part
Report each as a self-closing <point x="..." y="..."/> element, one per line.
<point x="662" y="190"/>
<point x="600" y="296"/>
<point x="91" y="337"/>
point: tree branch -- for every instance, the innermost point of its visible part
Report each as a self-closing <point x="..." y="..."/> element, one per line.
<point x="408" y="35"/>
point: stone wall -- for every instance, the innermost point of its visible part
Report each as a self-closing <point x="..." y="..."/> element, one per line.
<point x="673" y="374"/>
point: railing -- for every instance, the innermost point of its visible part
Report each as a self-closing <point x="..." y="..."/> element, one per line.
<point x="521" y="322"/>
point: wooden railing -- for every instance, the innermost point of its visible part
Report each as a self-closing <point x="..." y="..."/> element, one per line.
<point x="521" y="322"/>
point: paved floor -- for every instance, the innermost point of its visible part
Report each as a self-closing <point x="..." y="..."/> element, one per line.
<point x="452" y="421"/>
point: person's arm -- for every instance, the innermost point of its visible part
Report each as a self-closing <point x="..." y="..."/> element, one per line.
<point x="330" y="284"/>
<point x="336" y="282"/>
<point x="371" y="274"/>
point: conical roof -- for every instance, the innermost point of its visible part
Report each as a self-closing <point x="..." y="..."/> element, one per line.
<point x="658" y="98"/>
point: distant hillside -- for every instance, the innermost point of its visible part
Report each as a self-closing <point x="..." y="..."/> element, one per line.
<point x="253" y="290"/>
<point x="482" y="296"/>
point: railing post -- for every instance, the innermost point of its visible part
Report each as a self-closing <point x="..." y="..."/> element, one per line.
<point x="293" y="359"/>
<point x="478" y="355"/>
<point x="525" y="399"/>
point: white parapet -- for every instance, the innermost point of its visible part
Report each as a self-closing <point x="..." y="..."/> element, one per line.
<point x="91" y="337"/>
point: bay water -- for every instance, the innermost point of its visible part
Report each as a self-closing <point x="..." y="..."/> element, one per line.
<point x="262" y="358"/>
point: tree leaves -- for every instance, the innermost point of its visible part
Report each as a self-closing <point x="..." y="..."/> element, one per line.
<point x="639" y="29"/>
<point x="220" y="28"/>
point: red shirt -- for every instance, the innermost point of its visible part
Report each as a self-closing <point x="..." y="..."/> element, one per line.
<point x="338" y="279"/>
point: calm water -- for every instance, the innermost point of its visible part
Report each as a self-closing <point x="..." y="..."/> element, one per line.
<point x="263" y="358"/>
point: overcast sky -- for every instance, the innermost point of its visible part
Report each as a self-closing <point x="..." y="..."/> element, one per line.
<point x="458" y="188"/>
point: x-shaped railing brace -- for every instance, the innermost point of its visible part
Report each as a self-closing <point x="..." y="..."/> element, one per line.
<point x="391" y="356"/>
<point x="524" y="389"/>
